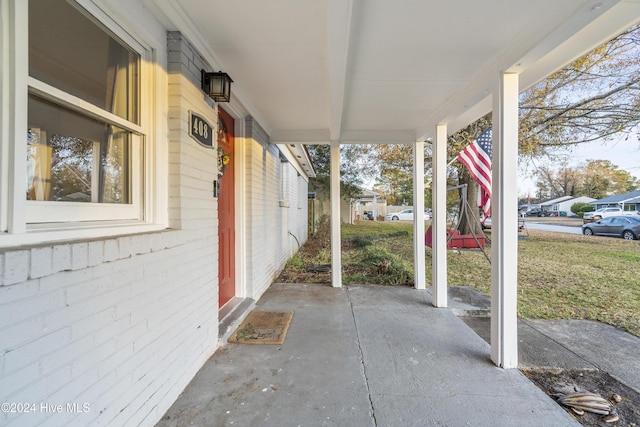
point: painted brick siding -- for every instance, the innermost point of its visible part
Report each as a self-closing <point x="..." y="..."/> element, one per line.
<point x="107" y="326"/>
<point x="121" y="324"/>
<point x="192" y="167"/>
<point x="269" y="244"/>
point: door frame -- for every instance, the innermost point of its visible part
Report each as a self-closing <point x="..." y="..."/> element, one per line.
<point x="240" y="207"/>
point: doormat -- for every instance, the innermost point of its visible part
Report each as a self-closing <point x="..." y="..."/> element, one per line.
<point x="263" y="327"/>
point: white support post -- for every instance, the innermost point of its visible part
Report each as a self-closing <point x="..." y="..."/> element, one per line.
<point x="439" y="223"/>
<point x="504" y="229"/>
<point x="336" y="248"/>
<point x="418" y="216"/>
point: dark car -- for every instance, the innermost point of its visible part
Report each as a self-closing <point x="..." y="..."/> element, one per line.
<point x="536" y="212"/>
<point x="627" y="227"/>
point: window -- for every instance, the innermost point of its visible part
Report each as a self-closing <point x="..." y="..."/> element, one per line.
<point x="283" y="172"/>
<point x="84" y="142"/>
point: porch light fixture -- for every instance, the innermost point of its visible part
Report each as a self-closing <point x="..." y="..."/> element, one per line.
<point x="217" y="85"/>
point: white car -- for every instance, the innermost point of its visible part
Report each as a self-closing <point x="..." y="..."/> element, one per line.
<point x="405" y="215"/>
<point x="606" y="213"/>
<point x="602" y="213"/>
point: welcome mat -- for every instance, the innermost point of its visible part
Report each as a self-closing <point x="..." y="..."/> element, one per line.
<point x="263" y="327"/>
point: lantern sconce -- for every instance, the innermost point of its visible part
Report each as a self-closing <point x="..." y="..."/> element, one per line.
<point x="217" y="85"/>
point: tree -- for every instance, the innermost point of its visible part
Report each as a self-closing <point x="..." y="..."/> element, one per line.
<point x="395" y="179"/>
<point x="352" y="170"/>
<point x="552" y="183"/>
<point x="602" y="178"/>
<point x="596" y="178"/>
<point x="593" y="98"/>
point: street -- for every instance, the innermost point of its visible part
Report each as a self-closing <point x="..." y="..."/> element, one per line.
<point x="553" y="227"/>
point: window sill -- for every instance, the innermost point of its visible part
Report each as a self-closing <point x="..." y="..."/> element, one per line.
<point x="52" y="233"/>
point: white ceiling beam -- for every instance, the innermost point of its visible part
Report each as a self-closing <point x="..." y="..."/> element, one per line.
<point x="320" y="136"/>
<point x="307" y="136"/>
<point x="339" y="19"/>
<point x="372" y="136"/>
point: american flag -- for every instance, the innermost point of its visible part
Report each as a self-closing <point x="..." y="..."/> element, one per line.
<point x="477" y="158"/>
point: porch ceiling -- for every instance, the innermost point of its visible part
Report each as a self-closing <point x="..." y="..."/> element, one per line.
<point x="312" y="71"/>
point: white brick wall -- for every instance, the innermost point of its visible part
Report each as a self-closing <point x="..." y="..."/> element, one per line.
<point x="269" y="244"/>
<point x="122" y="334"/>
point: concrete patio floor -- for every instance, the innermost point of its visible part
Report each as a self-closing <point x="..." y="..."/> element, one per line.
<point x="362" y="356"/>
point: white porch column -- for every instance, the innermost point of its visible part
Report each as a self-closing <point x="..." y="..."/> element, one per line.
<point x="439" y="223"/>
<point x="336" y="249"/>
<point x="374" y="209"/>
<point x="504" y="212"/>
<point x="418" y="216"/>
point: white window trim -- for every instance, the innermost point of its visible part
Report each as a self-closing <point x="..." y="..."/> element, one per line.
<point x="283" y="171"/>
<point x="16" y="85"/>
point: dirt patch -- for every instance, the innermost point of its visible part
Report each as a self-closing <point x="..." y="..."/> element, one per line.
<point x="595" y="381"/>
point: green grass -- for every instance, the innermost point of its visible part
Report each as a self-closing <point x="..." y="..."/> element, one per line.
<point x="560" y="276"/>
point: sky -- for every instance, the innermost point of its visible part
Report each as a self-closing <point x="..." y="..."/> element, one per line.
<point x="623" y="153"/>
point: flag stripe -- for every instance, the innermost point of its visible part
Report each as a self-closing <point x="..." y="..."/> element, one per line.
<point x="476" y="157"/>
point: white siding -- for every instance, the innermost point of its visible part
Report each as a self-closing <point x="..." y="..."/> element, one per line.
<point x="269" y="243"/>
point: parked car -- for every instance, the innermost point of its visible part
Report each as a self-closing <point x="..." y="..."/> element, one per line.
<point x="605" y="213"/>
<point x="627" y="227"/>
<point x="405" y="215"/>
<point x="536" y="212"/>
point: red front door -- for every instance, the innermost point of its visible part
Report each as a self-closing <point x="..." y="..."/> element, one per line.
<point x="226" y="228"/>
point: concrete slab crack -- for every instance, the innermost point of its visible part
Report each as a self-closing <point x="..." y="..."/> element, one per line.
<point x="362" y="363"/>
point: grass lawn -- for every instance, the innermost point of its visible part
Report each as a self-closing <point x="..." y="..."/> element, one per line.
<point x="560" y="276"/>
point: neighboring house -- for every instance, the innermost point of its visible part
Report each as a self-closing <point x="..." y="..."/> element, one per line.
<point x="368" y="201"/>
<point x="552" y="205"/>
<point x="351" y="209"/>
<point x="563" y="204"/>
<point x="627" y="201"/>
<point x="635" y="201"/>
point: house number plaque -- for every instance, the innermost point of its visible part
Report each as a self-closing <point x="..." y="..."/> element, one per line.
<point x="200" y="129"/>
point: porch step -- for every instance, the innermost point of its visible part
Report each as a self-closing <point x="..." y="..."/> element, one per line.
<point x="466" y="301"/>
<point x="232" y="314"/>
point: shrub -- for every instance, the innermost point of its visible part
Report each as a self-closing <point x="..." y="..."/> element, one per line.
<point x="362" y="241"/>
<point x="580" y="208"/>
<point x="576" y="208"/>
<point x="390" y="268"/>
